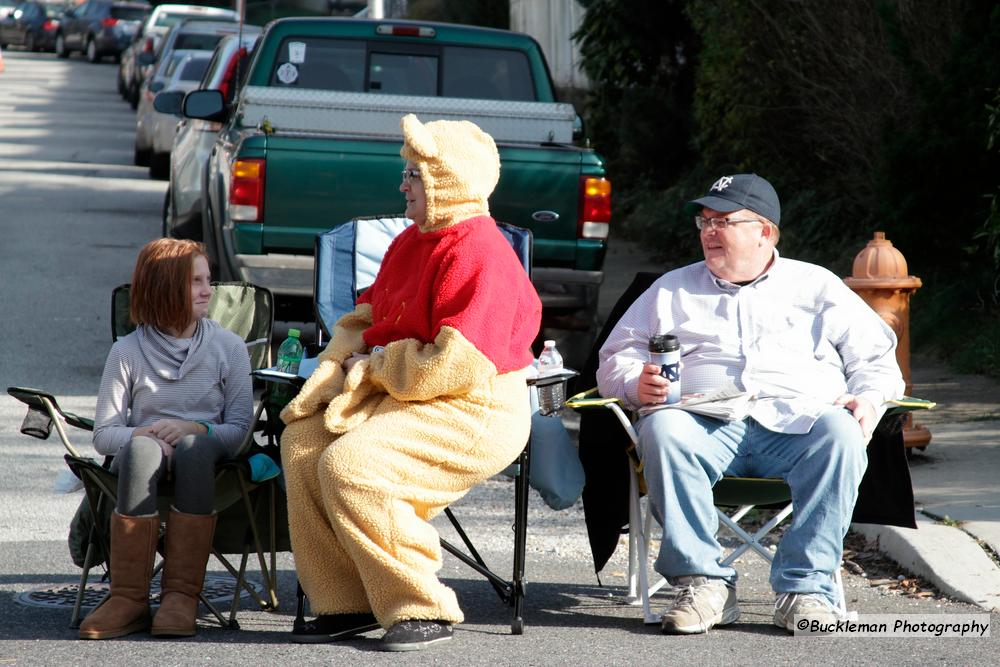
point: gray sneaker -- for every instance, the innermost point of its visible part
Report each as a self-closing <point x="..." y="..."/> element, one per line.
<point x="702" y="603"/>
<point x="808" y="606"/>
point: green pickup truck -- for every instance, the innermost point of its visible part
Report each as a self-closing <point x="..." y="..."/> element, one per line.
<point x="313" y="140"/>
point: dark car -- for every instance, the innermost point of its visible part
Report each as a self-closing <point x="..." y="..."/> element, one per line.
<point x="100" y="28"/>
<point x="32" y="25"/>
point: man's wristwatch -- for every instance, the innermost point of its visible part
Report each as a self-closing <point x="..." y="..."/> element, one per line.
<point x="207" y="425"/>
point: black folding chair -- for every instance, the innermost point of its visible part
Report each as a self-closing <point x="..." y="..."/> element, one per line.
<point x="249" y="502"/>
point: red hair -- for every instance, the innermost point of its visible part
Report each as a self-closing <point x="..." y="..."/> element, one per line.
<point x="160" y="295"/>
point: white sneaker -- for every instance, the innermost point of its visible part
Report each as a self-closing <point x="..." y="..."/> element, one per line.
<point x="804" y="605"/>
<point x="702" y="603"/>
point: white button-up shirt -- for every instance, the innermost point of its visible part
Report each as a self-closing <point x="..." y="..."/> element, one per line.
<point x="796" y="337"/>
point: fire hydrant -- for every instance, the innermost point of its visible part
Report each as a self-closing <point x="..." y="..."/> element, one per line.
<point x="880" y="278"/>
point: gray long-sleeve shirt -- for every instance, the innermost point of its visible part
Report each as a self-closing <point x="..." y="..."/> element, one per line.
<point x="150" y="376"/>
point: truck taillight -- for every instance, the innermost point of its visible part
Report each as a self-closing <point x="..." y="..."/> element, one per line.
<point x="246" y="190"/>
<point x="109" y="22"/>
<point x="50" y="25"/>
<point x="595" y="208"/>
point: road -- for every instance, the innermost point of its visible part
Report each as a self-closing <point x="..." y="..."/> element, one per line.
<point x="73" y="213"/>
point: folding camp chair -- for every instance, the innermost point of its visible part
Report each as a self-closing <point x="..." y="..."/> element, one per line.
<point x="347" y="261"/>
<point x="244" y="484"/>
<point x="886" y="461"/>
<point x="742" y="493"/>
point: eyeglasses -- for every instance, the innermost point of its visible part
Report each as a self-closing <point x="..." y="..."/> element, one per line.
<point x="410" y="173"/>
<point x="717" y="224"/>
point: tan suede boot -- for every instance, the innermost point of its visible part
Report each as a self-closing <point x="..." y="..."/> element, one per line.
<point x="133" y="547"/>
<point x="189" y="541"/>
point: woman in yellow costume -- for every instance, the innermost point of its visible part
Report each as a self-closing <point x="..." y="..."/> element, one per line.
<point x="419" y="396"/>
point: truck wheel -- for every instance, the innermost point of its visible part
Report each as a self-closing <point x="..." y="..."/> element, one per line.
<point x="208" y="238"/>
<point x="61" y="51"/>
<point x="140" y="157"/>
<point x="92" y="54"/>
<point x="167" y="230"/>
<point x="159" y="166"/>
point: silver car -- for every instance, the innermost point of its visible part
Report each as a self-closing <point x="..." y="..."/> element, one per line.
<point x="134" y="65"/>
<point x="154" y="131"/>
<point x="194" y="138"/>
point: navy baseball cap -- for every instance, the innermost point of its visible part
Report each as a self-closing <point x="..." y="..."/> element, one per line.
<point x="732" y="193"/>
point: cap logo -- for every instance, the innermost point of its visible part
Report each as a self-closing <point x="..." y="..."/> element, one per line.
<point x="721" y="184"/>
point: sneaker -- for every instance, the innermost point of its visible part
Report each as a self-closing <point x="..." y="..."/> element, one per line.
<point x="331" y="627"/>
<point x="804" y="605"/>
<point x="702" y="603"/>
<point x="415" y="635"/>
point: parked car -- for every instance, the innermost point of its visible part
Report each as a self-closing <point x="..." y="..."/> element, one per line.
<point x="147" y="40"/>
<point x="182" y="38"/>
<point x="183" y="75"/>
<point x="99" y="28"/>
<point x="32" y="25"/>
<point x="193" y="140"/>
<point x="7" y="7"/>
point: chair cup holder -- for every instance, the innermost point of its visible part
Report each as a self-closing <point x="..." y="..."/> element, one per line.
<point x="552" y="391"/>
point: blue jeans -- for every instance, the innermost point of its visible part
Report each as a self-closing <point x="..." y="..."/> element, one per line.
<point x="684" y="455"/>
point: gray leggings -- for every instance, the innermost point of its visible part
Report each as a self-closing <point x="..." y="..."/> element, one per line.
<point x="141" y="466"/>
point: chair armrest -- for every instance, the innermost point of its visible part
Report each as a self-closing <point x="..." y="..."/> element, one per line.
<point x="908" y="404"/>
<point x="589" y="399"/>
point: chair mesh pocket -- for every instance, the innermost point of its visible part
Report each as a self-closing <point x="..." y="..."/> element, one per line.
<point x="37" y="424"/>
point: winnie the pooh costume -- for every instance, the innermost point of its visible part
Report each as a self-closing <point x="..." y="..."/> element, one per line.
<point x="373" y="451"/>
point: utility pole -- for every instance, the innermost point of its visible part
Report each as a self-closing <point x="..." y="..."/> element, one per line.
<point x="376" y="9"/>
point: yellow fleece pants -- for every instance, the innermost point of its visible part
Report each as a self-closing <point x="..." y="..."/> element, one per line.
<point x="359" y="504"/>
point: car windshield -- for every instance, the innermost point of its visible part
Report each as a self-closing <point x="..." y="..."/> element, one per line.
<point x="129" y="13"/>
<point x="196" y="41"/>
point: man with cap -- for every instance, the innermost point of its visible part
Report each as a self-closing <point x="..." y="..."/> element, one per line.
<point x="419" y="396"/>
<point x="816" y="363"/>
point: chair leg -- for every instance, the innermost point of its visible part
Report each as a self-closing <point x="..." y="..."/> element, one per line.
<point x="638" y="528"/>
<point x="520" y="539"/>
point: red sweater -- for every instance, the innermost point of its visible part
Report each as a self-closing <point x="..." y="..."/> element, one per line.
<point x="465" y="277"/>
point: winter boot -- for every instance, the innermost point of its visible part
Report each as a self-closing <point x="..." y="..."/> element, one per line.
<point x="133" y="548"/>
<point x="189" y="541"/>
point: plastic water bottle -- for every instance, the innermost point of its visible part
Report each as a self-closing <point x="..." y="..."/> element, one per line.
<point x="549" y="361"/>
<point x="289" y="357"/>
<point x="665" y="352"/>
<point x="290" y="353"/>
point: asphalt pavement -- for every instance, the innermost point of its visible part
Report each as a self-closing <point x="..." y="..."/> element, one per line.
<point x="57" y="337"/>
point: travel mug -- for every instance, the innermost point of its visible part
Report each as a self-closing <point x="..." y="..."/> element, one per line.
<point x="665" y="352"/>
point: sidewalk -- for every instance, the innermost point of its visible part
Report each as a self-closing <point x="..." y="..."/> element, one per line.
<point x="955" y="488"/>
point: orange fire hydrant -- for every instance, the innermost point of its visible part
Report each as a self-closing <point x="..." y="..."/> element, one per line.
<point x="880" y="278"/>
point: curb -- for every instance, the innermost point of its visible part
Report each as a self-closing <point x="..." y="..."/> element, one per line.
<point x="946" y="556"/>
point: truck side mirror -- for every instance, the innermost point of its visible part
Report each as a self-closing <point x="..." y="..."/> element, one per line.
<point x="204" y="105"/>
<point x="169" y="102"/>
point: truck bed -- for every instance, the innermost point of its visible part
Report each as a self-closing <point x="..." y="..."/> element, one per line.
<point x="366" y="115"/>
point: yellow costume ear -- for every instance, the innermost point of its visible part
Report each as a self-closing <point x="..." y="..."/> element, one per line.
<point x="418" y="137"/>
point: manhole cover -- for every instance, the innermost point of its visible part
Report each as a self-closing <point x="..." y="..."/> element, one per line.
<point x="218" y="589"/>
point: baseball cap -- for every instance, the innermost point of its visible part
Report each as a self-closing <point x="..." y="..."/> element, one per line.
<point x="732" y="193"/>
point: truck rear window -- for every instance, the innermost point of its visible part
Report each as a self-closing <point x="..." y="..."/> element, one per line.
<point x="446" y="71"/>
